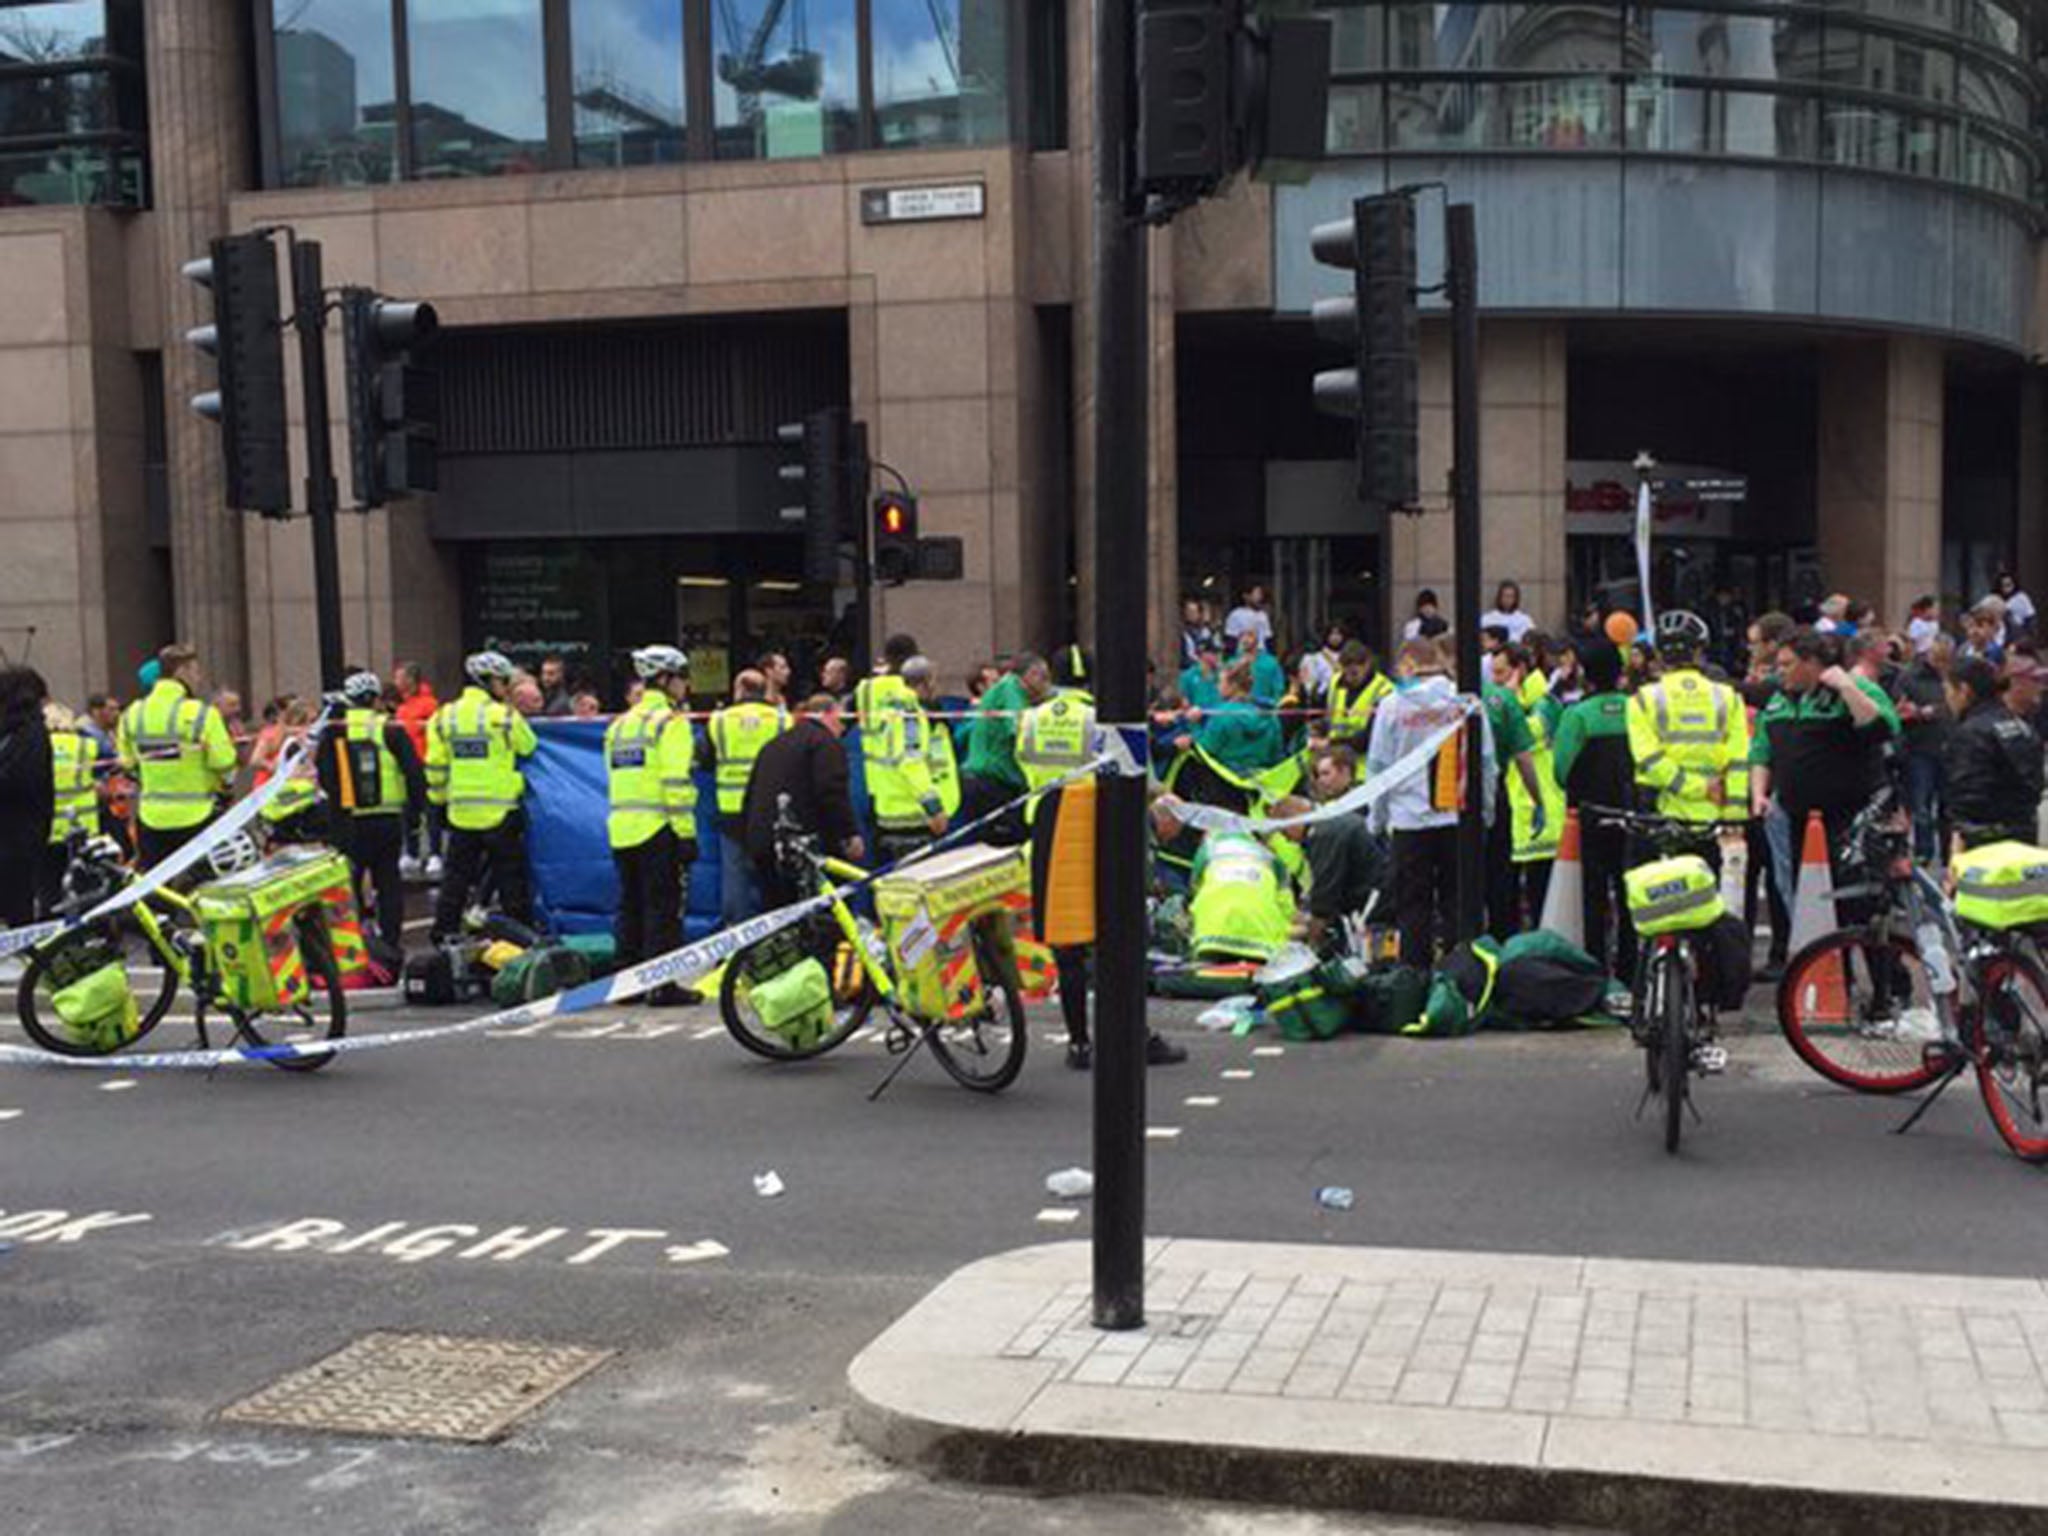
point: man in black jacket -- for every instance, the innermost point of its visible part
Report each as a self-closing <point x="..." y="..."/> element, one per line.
<point x="27" y="792"/>
<point x="806" y="763"/>
<point x="1992" y="762"/>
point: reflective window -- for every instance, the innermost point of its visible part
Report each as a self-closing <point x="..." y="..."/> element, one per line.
<point x="1665" y="118"/>
<point x="1566" y="113"/>
<point x="939" y="70"/>
<point x="335" y="114"/>
<point x="786" y="79"/>
<point x="627" y="76"/>
<point x="479" y="92"/>
<point x="1551" y="38"/>
<point x="1879" y="139"/>
<point x="1992" y="23"/>
<point x="1354" y="119"/>
<point x="72" y="105"/>
<point x="1992" y="93"/>
<point x="1995" y="166"/>
<point x="1679" y="42"/>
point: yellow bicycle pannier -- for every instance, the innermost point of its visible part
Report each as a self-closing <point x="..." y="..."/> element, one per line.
<point x="2003" y="885"/>
<point x="1678" y="895"/>
<point x="99" y="1008"/>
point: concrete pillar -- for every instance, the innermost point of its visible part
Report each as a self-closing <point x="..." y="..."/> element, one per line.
<point x="2031" y="522"/>
<point x="1879" y="462"/>
<point x="1522" y="476"/>
<point x="199" y="153"/>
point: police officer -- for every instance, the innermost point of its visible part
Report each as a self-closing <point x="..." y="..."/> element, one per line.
<point x="182" y="756"/>
<point x="376" y="788"/>
<point x="1355" y="693"/>
<point x="886" y="688"/>
<point x="76" y="808"/>
<point x="738" y="732"/>
<point x="474" y="749"/>
<point x="1055" y="737"/>
<point x="649" y="756"/>
<point x="1689" y="736"/>
<point x="896" y="760"/>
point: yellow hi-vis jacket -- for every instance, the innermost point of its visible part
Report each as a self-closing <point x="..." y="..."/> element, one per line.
<point x="945" y="767"/>
<point x="1688" y="734"/>
<point x="181" y="754"/>
<point x="648" y="757"/>
<point x="1351" y="708"/>
<point x="738" y="733"/>
<point x="896" y="761"/>
<point x="1053" y="739"/>
<point x="72" y="754"/>
<point x="474" y="747"/>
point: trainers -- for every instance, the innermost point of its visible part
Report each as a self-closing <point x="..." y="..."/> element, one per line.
<point x="1162" y="1052"/>
<point x="434" y="867"/>
<point x="1709" y="1060"/>
<point x="1080" y="1055"/>
<point x="408" y="867"/>
<point x="672" y="996"/>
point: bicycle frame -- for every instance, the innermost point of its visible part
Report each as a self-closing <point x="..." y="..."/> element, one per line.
<point x="881" y="976"/>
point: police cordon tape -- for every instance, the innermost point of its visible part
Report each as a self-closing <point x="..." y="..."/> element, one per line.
<point x="237" y="817"/>
<point x="678" y="967"/>
<point x="1213" y="818"/>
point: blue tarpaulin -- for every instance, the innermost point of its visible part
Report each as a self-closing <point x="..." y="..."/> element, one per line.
<point x="574" y="882"/>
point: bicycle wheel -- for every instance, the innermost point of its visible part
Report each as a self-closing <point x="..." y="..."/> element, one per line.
<point x="322" y="1014"/>
<point x="53" y="965"/>
<point x="2012" y="1062"/>
<point x="1674" y="1044"/>
<point x="985" y="1050"/>
<point x="1859" y="1010"/>
<point x="853" y="997"/>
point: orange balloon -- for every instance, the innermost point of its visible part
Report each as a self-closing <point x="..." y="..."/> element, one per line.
<point x="1621" y="627"/>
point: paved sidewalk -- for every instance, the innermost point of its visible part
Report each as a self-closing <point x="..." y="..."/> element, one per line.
<point x="1597" y="1392"/>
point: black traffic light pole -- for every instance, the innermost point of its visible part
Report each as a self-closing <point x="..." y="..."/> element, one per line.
<point x="1461" y="280"/>
<point x="309" y="315"/>
<point x="1121" y="561"/>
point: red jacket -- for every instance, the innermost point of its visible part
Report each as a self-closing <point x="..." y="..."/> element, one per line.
<point x="414" y="713"/>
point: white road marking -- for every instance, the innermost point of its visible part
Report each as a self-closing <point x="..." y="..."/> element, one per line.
<point x="418" y="923"/>
<point x="1269" y="1050"/>
<point x="62" y="1226"/>
<point x="10" y="1114"/>
<point x="707" y="1032"/>
<point x="117" y="1085"/>
<point x="1201" y="1101"/>
<point x="404" y="1243"/>
<point x="1056" y="1216"/>
<point x="1162" y="1132"/>
<point x="694" y="1253"/>
<point x="1237" y="1074"/>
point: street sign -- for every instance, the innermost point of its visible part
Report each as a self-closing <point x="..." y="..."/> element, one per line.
<point x="921" y="205"/>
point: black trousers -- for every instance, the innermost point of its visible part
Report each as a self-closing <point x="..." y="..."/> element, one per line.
<point x="1425" y="892"/>
<point x="503" y="850"/>
<point x="1603" y="860"/>
<point x="979" y="796"/>
<point x="50" y="878"/>
<point x="1503" y="882"/>
<point x="155" y="844"/>
<point x="651" y="878"/>
<point x="18" y="878"/>
<point x="373" y="845"/>
<point x="1763" y="879"/>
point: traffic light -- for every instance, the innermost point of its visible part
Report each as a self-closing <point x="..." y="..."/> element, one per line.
<point x="1377" y="324"/>
<point x="818" y="457"/>
<point x="394" y="404"/>
<point x="246" y="342"/>
<point x="896" y="545"/>
<point x="1222" y="86"/>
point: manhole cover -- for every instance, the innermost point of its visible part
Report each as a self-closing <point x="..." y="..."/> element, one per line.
<point x="420" y="1385"/>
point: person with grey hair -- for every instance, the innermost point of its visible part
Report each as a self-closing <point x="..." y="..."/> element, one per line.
<point x="991" y="774"/>
<point x="896" y="746"/>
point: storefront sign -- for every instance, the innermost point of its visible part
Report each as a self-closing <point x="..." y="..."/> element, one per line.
<point x="921" y="205"/>
<point x="1687" y="501"/>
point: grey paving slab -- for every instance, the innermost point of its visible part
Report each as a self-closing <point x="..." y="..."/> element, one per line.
<point x="1649" y="1395"/>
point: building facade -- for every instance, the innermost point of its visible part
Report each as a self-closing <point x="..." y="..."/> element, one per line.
<point x="1791" y="250"/>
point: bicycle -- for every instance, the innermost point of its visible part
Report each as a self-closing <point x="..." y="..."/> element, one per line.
<point x="85" y="970"/>
<point x="1671" y="900"/>
<point x="1916" y="995"/>
<point x="798" y="994"/>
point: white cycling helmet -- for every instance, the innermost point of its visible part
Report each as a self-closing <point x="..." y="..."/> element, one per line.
<point x="656" y="661"/>
<point x="234" y="853"/>
<point x="1682" y="632"/>
<point x="489" y="666"/>
<point x="362" y="689"/>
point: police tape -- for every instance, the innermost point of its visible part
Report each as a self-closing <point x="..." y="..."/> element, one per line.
<point x="1214" y="818"/>
<point x="677" y="967"/>
<point x="233" y="821"/>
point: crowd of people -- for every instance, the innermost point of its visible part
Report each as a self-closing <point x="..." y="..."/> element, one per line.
<point x="1789" y="717"/>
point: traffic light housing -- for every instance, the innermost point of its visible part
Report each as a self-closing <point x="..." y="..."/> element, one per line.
<point x="394" y="403"/>
<point x="1223" y="86"/>
<point x="246" y="341"/>
<point x="818" y="455"/>
<point x="1377" y="323"/>
<point x="895" y="542"/>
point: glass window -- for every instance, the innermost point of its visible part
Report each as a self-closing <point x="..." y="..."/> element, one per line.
<point x="1569" y="113"/>
<point x="786" y="78"/>
<point x="479" y="91"/>
<point x="1046" y="26"/>
<point x="1354" y="119"/>
<point x="335" y="114"/>
<point x="1355" y="38"/>
<point x="627" y="75"/>
<point x="1992" y="93"/>
<point x="1554" y="38"/>
<point x="1991" y="23"/>
<point x="45" y="31"/>
<point x="1678" y="42"/>
<point x="1996" y="166"/>
<point x="940" y="72"/>
<point x="1664" y="118"/>
<point x="72" y="174"/>
<point x="1880" y="139"/>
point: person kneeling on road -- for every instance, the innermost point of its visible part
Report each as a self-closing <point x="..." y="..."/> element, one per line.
<point x="1346" y="864"/>
<point x="474" y="748"/>
<point x="649" y="755"/>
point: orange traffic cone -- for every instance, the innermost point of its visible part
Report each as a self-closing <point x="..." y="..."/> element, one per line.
<point x="1564" y="904"/>
<point x="1823" y="988"/>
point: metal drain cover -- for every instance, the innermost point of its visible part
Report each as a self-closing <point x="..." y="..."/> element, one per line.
<point x="420" y="1385"/>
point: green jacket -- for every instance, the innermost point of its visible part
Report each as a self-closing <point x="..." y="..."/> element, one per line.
<point x="1241" y="736"/>
<point x="992" y="740"/>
